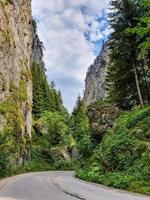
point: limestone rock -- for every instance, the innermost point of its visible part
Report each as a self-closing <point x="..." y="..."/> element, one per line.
<point x="15" y="76"/>
<point x="101" y="116"/>
<point x="95" y="78"/>
<point x="37" y="47"/>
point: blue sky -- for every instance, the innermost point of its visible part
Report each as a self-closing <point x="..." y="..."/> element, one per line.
<point x="72" y="32"/>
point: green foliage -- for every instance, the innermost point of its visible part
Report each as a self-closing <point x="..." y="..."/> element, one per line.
<point x="22" y="91"/>
<point x="122" y="160"/>
<point x="52" y="141"/>
<point x="4" y="159"/>
<point x="125" y="63"/>
<point x="53" y="128"/>
<point x="80" y="128"/>
<point x="141" y="115"/>
<point x="62" y="164"/>
<point x="143" y="27"/>
<point x="37" y="164"/>
<point x="13" y="145"/>
<point x="45" y="96"/>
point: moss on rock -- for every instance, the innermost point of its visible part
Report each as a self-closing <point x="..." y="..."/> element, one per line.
<point x="16" y="144"/>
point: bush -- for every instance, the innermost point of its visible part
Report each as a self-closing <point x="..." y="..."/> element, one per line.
<point x="62" y="164"/>
<point x="141" y="187"/>
<point x="4" y="164"/>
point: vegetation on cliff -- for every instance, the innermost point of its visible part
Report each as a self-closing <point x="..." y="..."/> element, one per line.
<point x="13" y="144"/>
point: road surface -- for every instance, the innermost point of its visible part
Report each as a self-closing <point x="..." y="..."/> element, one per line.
<point x="58" y="186"/>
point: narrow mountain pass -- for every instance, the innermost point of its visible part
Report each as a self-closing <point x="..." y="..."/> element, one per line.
<point x="58" y="186"/>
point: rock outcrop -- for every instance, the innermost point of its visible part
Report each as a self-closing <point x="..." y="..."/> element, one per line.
<point x="15" y="78"/>
<point x="101" y="117"/>
<point x="95" y="78"/>
<point x="37" y="47"/>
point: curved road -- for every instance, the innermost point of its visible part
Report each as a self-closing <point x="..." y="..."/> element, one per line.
<point x="58" y="186"/>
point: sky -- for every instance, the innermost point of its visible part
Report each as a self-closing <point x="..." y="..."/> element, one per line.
<point x="72" y="32"/>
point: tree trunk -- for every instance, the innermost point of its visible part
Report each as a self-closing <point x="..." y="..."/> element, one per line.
<point x="146" y="82"/>
<point x="138" y="86"/>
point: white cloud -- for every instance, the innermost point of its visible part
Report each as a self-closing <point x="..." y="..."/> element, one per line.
<point x="93" y="6"/>
<point x="62" y="27"/>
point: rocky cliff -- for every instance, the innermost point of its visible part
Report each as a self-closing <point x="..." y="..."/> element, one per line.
<point x="37" y="47"/>
<point x="95" y="78"/>
<point x="15" y="78"/>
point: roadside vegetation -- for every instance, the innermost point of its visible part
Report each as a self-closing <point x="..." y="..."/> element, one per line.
<point x="122" y="159"/>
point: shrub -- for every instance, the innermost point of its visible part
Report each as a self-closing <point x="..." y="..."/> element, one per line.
<point x="62" y="164"/>
<point x="4" y="164"/>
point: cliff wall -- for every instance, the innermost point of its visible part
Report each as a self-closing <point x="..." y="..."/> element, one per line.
<point x="15" y="78"/>
<point x="95" y="78"/>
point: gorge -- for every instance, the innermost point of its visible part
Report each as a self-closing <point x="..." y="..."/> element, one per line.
<point x="106" y="137"/>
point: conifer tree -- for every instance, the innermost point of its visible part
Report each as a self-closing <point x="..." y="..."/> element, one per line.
<point x="143" y="27"/>
<point x="142" y="31"/>
<point x="43" y="97"/>
<point x="125" y="73"/>
<point x="80" y="127"/>
<point x="58" y="102"/>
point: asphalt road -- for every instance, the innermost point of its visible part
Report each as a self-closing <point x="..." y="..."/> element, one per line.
<point x="58" y="186"/>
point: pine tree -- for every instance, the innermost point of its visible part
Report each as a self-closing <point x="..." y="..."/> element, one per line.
<point x="43" y="97"/>
<point x="58" y="102"/>
<point x="125" y="73"/>
<point x="143" y="27"/>
<point x="142" y="31"/>
<point x="80" y="127"/>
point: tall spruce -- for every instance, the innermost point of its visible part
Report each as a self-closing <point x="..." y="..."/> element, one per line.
<point x="143" y="27"/>
<point x="142" y="31"/>
<point x="43" y="95"/>
<point x="125" y="73"/>
<point x="80" y="128"/>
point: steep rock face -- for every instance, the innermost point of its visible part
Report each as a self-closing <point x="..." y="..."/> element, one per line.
<point x="95" y="78"/>
<point x="15" y="78"/>
<point x="37" y="47"/>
